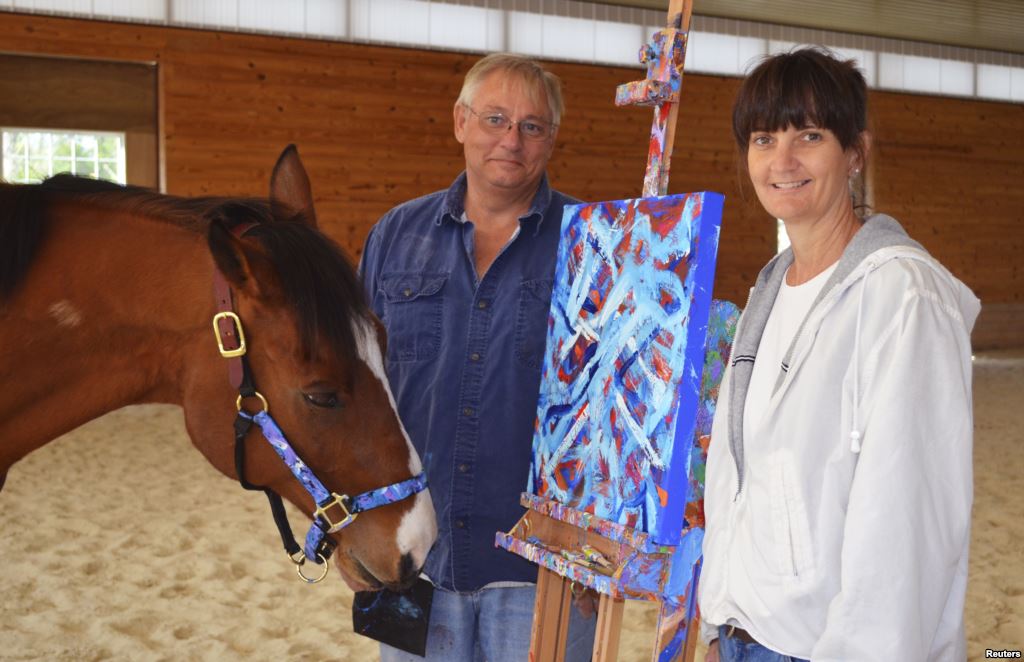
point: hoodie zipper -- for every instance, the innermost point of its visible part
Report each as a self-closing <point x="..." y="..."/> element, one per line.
<point x="823" y="305"/>
<point x="823" y="309"/>
<point x="739" y="469"/>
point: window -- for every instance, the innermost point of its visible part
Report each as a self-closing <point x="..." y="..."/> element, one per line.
<point x="32" y="155"/>
<point x="571" y="29"/>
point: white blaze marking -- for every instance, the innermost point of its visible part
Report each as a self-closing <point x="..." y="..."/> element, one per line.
<point x="65" y="314"/>
<point x="418" y="528"/>
<point x="369" y="352"/>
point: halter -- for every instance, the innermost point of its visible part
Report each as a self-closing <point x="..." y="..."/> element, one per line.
<point x="333" y="511"/>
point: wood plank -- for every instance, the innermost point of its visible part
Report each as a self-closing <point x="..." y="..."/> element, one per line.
<point x="550" y="629"/>
<point x="374" y="124"/>
<point x="609" y="629"/>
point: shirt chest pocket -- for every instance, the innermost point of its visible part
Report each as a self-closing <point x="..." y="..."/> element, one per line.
<point x="532" y="322"/>
<point x="414" y="314"/>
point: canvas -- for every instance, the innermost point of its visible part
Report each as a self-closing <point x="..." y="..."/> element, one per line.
<point x="624" y="358"/>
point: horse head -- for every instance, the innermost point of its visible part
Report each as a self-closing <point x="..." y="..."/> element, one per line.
<point x="315" y="355"/>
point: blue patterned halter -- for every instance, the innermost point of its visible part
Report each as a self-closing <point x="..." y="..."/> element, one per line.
<point x="325" y="499"/>
<point x="227" y="328"/>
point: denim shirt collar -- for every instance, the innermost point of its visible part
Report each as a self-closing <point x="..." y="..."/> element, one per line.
<point x="455" y="203"/>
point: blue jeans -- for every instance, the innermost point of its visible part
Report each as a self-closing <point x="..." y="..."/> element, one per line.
<point x="734" y="650"/>
<point x="490" y="625"/>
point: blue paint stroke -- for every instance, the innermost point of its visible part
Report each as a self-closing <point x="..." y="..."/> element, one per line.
<point x="625" y="350"/>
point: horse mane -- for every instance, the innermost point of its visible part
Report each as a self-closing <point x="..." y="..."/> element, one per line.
<point x="22" y="230"/>
<point x="316" y="278"/>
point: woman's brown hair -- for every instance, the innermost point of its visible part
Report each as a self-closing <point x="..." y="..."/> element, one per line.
<point x="805" y="87"/>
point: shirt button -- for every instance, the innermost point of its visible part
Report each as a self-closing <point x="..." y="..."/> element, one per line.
<point x="460" y="524"/>
<point x="475" y="356"/>
<point x="481" y="304"/>
<point x="468" y="411"/>
<point x="407" y="292"/>
<point x="463" y="468"/>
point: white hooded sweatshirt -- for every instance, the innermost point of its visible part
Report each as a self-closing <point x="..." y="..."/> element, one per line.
<point x="841" y="531"/>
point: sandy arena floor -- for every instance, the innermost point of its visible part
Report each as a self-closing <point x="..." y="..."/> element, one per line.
<point x="119" y="542"/>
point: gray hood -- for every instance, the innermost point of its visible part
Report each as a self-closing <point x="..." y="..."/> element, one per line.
<point x="878" y="232"/>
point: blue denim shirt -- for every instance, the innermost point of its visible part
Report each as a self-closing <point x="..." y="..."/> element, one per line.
<point x="463" y="359"/>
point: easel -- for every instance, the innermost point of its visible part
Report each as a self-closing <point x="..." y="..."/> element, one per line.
<point x="639" y="568"/>
<point x="575" y="548"/>
<point x="664" y="59"/>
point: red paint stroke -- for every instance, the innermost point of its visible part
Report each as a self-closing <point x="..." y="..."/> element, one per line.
<point x="665" y="297"/>
<point x="682" y="266"/>
<point x="660" y="365"/>
<point x="698" y="204"/>
<point x="565" y="472"/>
<point x="577" y="254"/>
<point x="633" y="470"/>
<point x="625" y="246"/>
<point x="641" y="253"/>
<point x="602" y="465"/>
<point x="694" y="514"/>
<point x="575" y="363"/>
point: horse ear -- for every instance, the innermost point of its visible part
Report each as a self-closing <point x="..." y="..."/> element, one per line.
<point x="291" y="196"/>
<point x="245" y="268"/>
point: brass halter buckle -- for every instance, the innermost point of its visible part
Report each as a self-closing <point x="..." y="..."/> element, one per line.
<point x="336" y="500"/>
<point x="229" y="353"/>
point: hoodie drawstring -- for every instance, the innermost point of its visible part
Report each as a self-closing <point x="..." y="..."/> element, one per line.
<point x="855" y="435"/>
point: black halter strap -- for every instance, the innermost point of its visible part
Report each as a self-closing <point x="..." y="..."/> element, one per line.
<point x="333" y="511"/>
<point x="240" y="376"/>
<point x="242" y="427"/>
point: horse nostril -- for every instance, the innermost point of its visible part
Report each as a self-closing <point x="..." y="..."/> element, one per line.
<point x="407" y="570"/>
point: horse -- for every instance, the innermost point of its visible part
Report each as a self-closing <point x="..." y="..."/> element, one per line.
<point x="107" y="294"/>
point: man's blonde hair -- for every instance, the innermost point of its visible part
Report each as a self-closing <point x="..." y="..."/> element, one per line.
<point x="537" y="78"/>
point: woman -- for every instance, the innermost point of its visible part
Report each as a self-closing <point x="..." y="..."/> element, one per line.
<point x="839" y="479"/>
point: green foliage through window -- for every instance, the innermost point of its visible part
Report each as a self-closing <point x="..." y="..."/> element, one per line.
<point x="31" y="155"/>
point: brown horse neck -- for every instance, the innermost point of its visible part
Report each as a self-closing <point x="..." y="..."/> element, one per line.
<point x="105" y="318"/>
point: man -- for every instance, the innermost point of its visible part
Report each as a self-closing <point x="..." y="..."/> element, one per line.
<point x="462" y="280"/>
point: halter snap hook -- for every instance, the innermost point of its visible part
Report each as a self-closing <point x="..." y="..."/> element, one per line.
<point x="299" y="559"/>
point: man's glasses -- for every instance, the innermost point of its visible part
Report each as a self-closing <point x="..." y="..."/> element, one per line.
<point x="497" y="124"/>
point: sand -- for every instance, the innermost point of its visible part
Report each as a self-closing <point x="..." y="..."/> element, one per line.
<point x="119" y="542"/>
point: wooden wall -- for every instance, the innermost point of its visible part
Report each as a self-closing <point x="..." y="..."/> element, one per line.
<point x="952" y="171"/>
<point x="373" y="125"/>
<point x="92" y="95"/>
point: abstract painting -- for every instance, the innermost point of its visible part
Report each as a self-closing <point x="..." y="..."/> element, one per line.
<point x="624" y="359"/>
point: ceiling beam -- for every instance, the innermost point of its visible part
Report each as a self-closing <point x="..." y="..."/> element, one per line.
<point x="987" y="24"/>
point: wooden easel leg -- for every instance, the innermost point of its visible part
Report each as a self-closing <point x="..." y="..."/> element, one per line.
<point x="679" y="623"/>
<point x="609" y="629"/>
<point x="550" y="618"/>
<point x="691" y="640"/>
<point x="677" y="638"/>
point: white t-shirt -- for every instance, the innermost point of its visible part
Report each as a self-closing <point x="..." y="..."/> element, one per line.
<point x="791" y="307"/>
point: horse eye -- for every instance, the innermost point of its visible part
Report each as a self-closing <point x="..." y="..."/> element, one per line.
<point x="325" y="400"/>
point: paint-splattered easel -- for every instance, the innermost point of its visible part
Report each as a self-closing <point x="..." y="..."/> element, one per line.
<point x="635" y="351"/>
